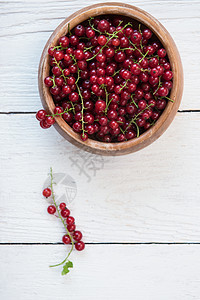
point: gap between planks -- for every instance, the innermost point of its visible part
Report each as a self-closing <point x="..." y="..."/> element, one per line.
<point x="103" y="243"/>
<point x="34" y="112"/>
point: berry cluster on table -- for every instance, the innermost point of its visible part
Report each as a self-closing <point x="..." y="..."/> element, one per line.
<point x="72" y="235"/>
<point x="110" y="79"/>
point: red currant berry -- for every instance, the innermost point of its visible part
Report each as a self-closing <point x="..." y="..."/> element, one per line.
<point x="50" y="120"/>
<point x="167" y="75"/>
<point x="66" y="239"/>
<point x="90" y="33"/>
<point x="65" y="212"/>
<point x="84" y="136"/>
<point x="100" y="106"/>
<point x="44" y="125"/>
<point x="51" y="209"/>
<point x="146" y="33"/>
<point x="79" y="30"/>
<point x="77" y="235"/>
<point x="46" y="192"/>
<point x="58" y="55"/>
<point x="79" y="246"/>
<point x="77" y="126"/>
<point x="64" y="41"/>
<point x="136" y="37"/>
<point x="62" y="205"/>
<point x="48" y="81"/>
<point x="163" y="91"/>
<point x="41" y="115"/>
<point x="103" y="25"/>
<point x="71" y="227"/>
<point x="70" y="220"/>
<point x="102" y="40"/>
<point x="161" y="52"/>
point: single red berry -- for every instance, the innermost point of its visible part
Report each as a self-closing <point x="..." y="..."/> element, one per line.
<point x="102" y="40"/>
<point x="163" y="91"/>
<point x="77" y="126"/>
<point x="84" y="136"/>
<point x="100" y="106"/>
<point x="154" y="72"/>
<point x="136" y="37"/>
<point x="62" y="205"/>
<point x="65" y="212"/>
<point x="55" y="90"/>
<point x="160" y="70"/>
<point x="77" y="235"/>
<point x="66" y="239"/>
<point x="51" y="209"/>
<point x="50" y="120"/>
<point x="41" y="114"/>
<point x="58" y="55"/>
<point x="135" y="69"/>
<point x="79" y="246"/>
<point x="113" y="124"/>
<point x="103" y="25"/>
<point x="44" y="125"/>
<point x="115" y="42"/>
<point x="162" y="52"/>
<point x="146" y="33"/>
<point x="51" y="51"/>
<point x="167" y="75"/>
<point x="58" y="110"/>
<point x="46" y="192"/>
<point x="71" y="227"/>
<point x="161" y="104"/>
<point x="79" y="30"/>
<point x="68" y="116"/>
<point x="74" y="40"/>
<point x="70" y="220"/>
<point x="64" y="41"/>
<point x="48" y="81"/>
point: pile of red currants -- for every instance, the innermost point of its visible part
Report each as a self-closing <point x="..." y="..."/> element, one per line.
<point x="110" y="79"/>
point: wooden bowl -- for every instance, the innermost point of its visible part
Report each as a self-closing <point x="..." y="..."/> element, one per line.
<point x="176" y="93"/>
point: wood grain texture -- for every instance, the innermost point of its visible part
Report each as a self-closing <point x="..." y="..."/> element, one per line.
<point x="149" y="196"/>
<point x="101" y="272"/>
<point x="27" y="26"/>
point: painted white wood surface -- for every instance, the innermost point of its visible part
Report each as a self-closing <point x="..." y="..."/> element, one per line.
<point x="152" y="195"/>
<point x="102" y="272"/>
<point x="149" y="196"/>
<point x="26" y="25"/>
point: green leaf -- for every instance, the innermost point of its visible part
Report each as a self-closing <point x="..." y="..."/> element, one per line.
<point x="66" y="267"/>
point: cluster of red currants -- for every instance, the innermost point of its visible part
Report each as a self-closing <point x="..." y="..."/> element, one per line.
<point x="110" y="81"/>
<point x="70" y="222"/>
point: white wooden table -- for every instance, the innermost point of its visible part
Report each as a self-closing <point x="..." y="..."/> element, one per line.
<point x="140" y="213"/>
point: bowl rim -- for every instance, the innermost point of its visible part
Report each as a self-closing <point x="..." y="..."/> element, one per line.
<point x="176" y="93"/>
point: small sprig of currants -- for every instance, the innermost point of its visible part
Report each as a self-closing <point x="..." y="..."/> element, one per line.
<point x="109" y="78"/>
<point x="72" y="236"/>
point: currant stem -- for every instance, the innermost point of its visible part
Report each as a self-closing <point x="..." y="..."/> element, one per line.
<point x="133" y="101"/>
<point x="159" y="85"/>
<point x="143" y="57"/>
<point x="111" y="37"/>
<point x="58" y="65"/>
<point x="168" y="99"/>
<point x="135" y="118"/>
<point x="60" y="114"/>
<point x="59" y="215"/>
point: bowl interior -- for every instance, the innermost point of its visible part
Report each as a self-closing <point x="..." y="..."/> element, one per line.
<point x="138" y="17"/>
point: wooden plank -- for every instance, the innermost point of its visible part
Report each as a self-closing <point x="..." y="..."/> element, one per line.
<point x="27" y="26"/>
<point x="151" y="195"/>
<point x="108" y="272"/>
